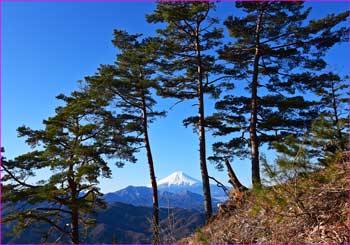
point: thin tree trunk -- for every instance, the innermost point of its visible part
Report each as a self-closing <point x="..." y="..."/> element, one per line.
<point x="254" y="144"/>
<point x="155" y="221"/>
<point x="336" y="118"/>
<point x="202" y="151"/>
<point x="75" y="224"/>
<point x="74" y="196"/>
<point x="74" y="208"/>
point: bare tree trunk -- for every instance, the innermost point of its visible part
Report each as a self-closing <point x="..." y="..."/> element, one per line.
<point x="74" y="206"/>
<point x="201" y="124"/>
<point x="155" y="221"/>
<point x="75" y="211"/>
<point x="203" y="164"/>
<point x="254" y="144"/>
<point x="75" y="224"/>
<point x="234" y="181"/>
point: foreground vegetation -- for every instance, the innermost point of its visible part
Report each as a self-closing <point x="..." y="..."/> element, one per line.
<point x="311" y="209"/>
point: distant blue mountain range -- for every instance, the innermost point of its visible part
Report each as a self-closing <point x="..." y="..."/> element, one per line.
<point x="127" y="216"/>
<point x="177" y="190"/>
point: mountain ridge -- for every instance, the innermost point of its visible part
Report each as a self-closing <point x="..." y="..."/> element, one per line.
<point x="176" y="190"/>
<point x="142" y="196"/>
<point x="118" y="223"/>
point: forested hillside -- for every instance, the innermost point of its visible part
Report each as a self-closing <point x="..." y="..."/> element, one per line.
<point x="118" y="223"/>
<point x="276" y="103"/>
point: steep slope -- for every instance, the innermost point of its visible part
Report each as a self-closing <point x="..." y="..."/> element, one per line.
<point x="311" y="209"/>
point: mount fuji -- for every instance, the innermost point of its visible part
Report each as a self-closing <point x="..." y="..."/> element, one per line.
<point x="177" y="178"/>
<point x="179" y="181"/>
<point x="176" y="190"/>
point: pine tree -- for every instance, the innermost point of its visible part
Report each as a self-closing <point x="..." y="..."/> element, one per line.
<point x="187" y="39"/>
<point x="71" y="149"/>
<point x="279" y="55"/>
<point x="324" y="143"/>
<point x="330" y="130"/>
<point x="129" y="84"/>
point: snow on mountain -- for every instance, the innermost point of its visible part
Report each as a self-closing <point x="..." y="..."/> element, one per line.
<point x="179" y="181"/>
<point x="178" y="178"/>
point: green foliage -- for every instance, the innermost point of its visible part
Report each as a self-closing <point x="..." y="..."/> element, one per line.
<point x="290" y="56"/>
<point x="329" y="134"/>
<point x="187" y="39"/>
<point x="71" y="150"/>
<point x="129" y="86"/>
<point x="301" y="157"/>
<point x="255" y="210"/>
<point x="201" y="237"/>
<point x="324" y="144"/>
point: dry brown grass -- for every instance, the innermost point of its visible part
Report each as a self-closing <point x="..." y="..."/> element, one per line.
<point x="312" y="209"/>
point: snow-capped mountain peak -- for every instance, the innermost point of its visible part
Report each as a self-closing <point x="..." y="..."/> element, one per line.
<point x="178" y="178"/>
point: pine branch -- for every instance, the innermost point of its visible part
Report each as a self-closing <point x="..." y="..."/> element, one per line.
<point x="189" y="26"/>
<point x="176" y="103"/>
<point x="215" y="80"/>
<point x="205" y="15"/>
<point x="279" y="36"/>
<point x="289" y="44"/>
<point x="47" y="220"/>
<point x="126" y="100"/>
<point x="180" y="27"/>
<point x="87" y="193"/>
<point x="220" y="185"/>
<point x="54" y="209"/>
<point x="18" y="180"/>
<point x="93" y="135"/>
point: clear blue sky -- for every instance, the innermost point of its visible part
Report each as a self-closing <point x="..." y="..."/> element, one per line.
<point x="48" y="46"/>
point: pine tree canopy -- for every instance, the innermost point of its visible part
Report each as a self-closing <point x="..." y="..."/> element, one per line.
<point x="189" y="36"/>
<point x="72" y="149"/>
<point x="129" y="84"/>
<point x="289" y="51"/>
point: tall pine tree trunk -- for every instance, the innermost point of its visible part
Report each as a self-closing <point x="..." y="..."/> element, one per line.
<point x="254" y="144"/>
<point x="155" y="219"/>
<point x="75" y="224"/>
<point x="202" y="152"/>
<point x="74" y="204"/>
<point x="74" y="208"/>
